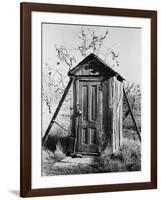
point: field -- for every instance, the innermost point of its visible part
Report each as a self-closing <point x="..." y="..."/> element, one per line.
<point x="128" y="158"/>
<point x="55" y="161"/>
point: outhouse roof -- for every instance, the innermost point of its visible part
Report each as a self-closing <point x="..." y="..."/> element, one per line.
<point x="96" y="64"/>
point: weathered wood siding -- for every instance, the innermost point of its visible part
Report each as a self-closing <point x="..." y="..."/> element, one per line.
<point x="117" y="113"/>
<point x="86" y="70"/>
<point x="112" y="114"/>
<point x="107" y="115"/>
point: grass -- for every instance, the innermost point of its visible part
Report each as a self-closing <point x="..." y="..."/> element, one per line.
<point x="127" y="158"/>
<point x="129" y="124"/>
<point x="57" y="137"/>
<point x="49" y="158"/>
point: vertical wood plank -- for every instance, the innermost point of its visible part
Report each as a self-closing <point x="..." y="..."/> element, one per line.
<point x="92" y="136"/>
<point x="85" y="91"/>
<point x="71" y="108"/>
<point x="84" y="137"/>
<point x="113" y="114"/>
<point x="89" y="100"/>
<point x="108" y="114"/>
<point x="121" y="114"/>
<point x="94" y="101"/>
<point x="117" y="114"/>
<point x="77" y="120"/>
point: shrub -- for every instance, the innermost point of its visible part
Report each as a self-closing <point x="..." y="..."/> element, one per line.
<point x="59" y="154"/>
<point x="109" y="163"/>
<point x="127" y="158"/>
<point x="52" y="157"/>
<point x="131" y="152"/>
<point x="55" y="138"/>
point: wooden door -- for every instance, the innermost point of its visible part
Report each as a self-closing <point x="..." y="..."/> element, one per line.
<point x="89" y="107"/>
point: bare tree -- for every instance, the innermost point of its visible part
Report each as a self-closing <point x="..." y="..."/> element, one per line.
<point x="54" y="84"/>
<point x="133" y="92"/>
<point x="89" y="42"/>
<point x="55" y="80"/>
<point x="64" y="55"/>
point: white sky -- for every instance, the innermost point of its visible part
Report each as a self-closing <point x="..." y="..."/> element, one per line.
<point x="126" y="41"/>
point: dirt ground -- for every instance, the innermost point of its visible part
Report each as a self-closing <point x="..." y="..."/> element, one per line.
<point x="70" y="165"/>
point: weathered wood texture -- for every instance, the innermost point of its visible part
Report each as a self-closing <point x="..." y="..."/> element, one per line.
<point x="88" y="114"/>
<point x="97" y="107"/>
<point x="107" y="115"/>
<point x="100" y="121"/>
<point x="93" y="65"/>
<point x="117" y="113"/>
<point x="86" y="70"/>
<point x="112" y="114"/>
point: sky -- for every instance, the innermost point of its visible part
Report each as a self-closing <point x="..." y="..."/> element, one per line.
<point x="123" y="40"/>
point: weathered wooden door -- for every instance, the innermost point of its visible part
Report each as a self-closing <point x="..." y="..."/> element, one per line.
<point x="89" y="108"/>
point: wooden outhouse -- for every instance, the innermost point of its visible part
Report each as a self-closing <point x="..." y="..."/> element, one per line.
<point x="96" y="118"/>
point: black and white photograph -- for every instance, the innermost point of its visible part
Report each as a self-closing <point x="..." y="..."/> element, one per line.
<point x="88" y="99"/>
<point x="91" y="96"/>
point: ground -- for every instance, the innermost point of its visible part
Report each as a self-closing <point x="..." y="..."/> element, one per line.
<point x="70" y="165"/>
<point x="84" y="165"/>
<point x="128" y="158"/>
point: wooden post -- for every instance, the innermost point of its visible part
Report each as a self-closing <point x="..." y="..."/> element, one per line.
<point x="57" y="110"/>
<point x="133" y="118"/>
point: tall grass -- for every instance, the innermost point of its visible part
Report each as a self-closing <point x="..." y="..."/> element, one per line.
<point x="131" y="153"/>
<point x="55" y="156"/>
<point x="49" y="158"/>
<point x="57" y="137"/>
<point x="127" y="158"/>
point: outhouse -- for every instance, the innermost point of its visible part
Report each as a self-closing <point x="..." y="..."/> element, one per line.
<point x="96" y="118"/>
